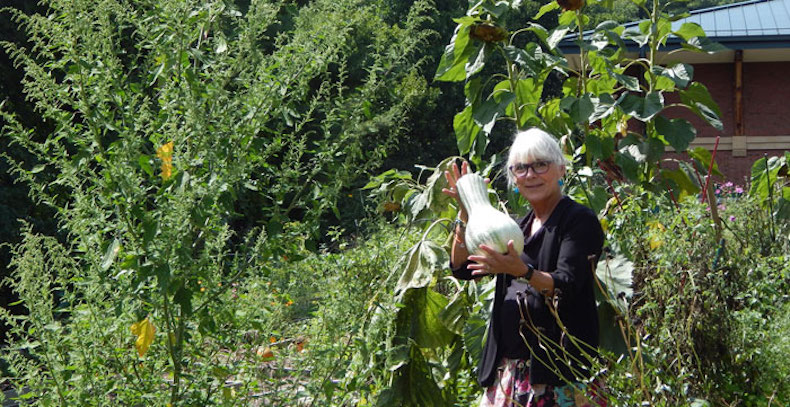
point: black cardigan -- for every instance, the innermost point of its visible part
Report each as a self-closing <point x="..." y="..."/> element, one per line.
<point x="562" y="247"/>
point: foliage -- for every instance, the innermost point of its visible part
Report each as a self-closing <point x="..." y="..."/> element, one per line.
<point x="193" y="145"/>
<point x="610" y="113"/>
<point x="703" y="304"/>
<point x="611" y="118"/>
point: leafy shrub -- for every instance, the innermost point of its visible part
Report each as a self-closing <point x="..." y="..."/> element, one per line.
<point x="703" y="305"/>
<point x="193" y="146"/>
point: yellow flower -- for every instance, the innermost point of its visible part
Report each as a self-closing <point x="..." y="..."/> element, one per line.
<point x="165" y="153"/>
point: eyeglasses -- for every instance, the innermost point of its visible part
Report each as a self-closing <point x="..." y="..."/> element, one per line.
<point x="522" y="169"/>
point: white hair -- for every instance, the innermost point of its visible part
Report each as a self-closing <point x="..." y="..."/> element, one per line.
<point x="533" y="145"/>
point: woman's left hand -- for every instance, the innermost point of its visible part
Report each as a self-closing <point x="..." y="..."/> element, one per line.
<point x="493" y="262"/>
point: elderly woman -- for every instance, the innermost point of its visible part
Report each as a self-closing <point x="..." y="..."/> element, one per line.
<point x="543" y="332"/>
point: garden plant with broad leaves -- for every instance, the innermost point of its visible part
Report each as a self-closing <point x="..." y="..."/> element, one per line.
<point x="607" y="105"/>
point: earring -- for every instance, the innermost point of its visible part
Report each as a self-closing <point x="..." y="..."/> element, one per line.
<point x="560" y="182"/>
<point x="515" y="189"/>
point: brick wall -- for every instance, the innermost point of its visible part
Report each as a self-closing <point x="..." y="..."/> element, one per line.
<point x="766" y="109"/>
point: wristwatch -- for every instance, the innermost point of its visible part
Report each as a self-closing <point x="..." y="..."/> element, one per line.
<point x="526" y="277"/>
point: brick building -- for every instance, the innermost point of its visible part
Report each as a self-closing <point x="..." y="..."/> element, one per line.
<point x="750" y="81"/>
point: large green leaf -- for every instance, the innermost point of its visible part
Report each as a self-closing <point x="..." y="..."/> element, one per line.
<point x="599" y="145"/>
<point x="495" y="106"/>
<point x="466" y="130"/>
<point x="684" y="179"/>
<point x="681" y="74"/>
<point x="612" y="295"/>
<point x="418" y="319"/>
<point x="413" y="385"/>
<point x="454" y="314"/>
<point x="642" y="108"/>
<point x="630" y="166"/>
<point x="688" y="31"/>
<point x="452" y="66"/>
<point x="698" y="99"/>
<point x="474" y="337"/>
<point x="628" y="82"/>
<point x="528" y="93"/>
<point x="525" y="60"/>
<point x="604" y="105"/>
<point x="783" y="205"/>
<point x="579" y="109"/>
<point x="764" y="176"/>
<point x="704" y="157"/>
<point x="615" y="276"/>
<point x="678" y="133"/>
<point x="421" y="262"/>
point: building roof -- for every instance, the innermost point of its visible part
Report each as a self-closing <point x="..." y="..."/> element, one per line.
<point x="761" y="27"/>
<point x="753" y="18"/>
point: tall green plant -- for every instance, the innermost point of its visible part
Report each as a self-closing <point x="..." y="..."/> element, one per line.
<point x="610" y="113"/>
<point x="172" y="120"/>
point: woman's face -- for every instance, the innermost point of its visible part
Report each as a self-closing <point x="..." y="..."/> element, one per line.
<point x="538" y="180"/>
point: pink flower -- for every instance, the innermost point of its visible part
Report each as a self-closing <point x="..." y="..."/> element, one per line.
<point x="732" y="218"/>
<point x="738" y="190"/>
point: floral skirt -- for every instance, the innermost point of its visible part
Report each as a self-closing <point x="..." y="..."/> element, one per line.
<point x="512" y="389"/>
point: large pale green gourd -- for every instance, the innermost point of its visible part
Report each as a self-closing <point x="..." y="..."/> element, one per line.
<point x="486" y="225"/>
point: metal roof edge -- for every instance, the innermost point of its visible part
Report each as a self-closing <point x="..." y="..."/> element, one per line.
<point x="733" y="42"/>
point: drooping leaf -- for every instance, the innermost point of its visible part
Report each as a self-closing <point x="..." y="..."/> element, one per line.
<point x="466" y="130"/>
<point x="630" y="166"/>
<point x="145" y="331"/>
<point x="555" y="36"/>
<point x="524" y="60"/>
<point x="678" y="133"/>
<point x="473" y="90"/>
<point x="698" y="99"/>
<point x="421" y="262"/>
<point x="476" y="60"/>
<point x="452" y="66"/>
<point x="612" y="295"/>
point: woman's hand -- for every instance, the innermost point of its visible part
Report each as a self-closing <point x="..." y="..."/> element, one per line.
<point x="452" y="177"/>
<point x="492" y="262"/>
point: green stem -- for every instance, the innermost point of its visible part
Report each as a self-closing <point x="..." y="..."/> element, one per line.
<point x="513" y="79"/>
